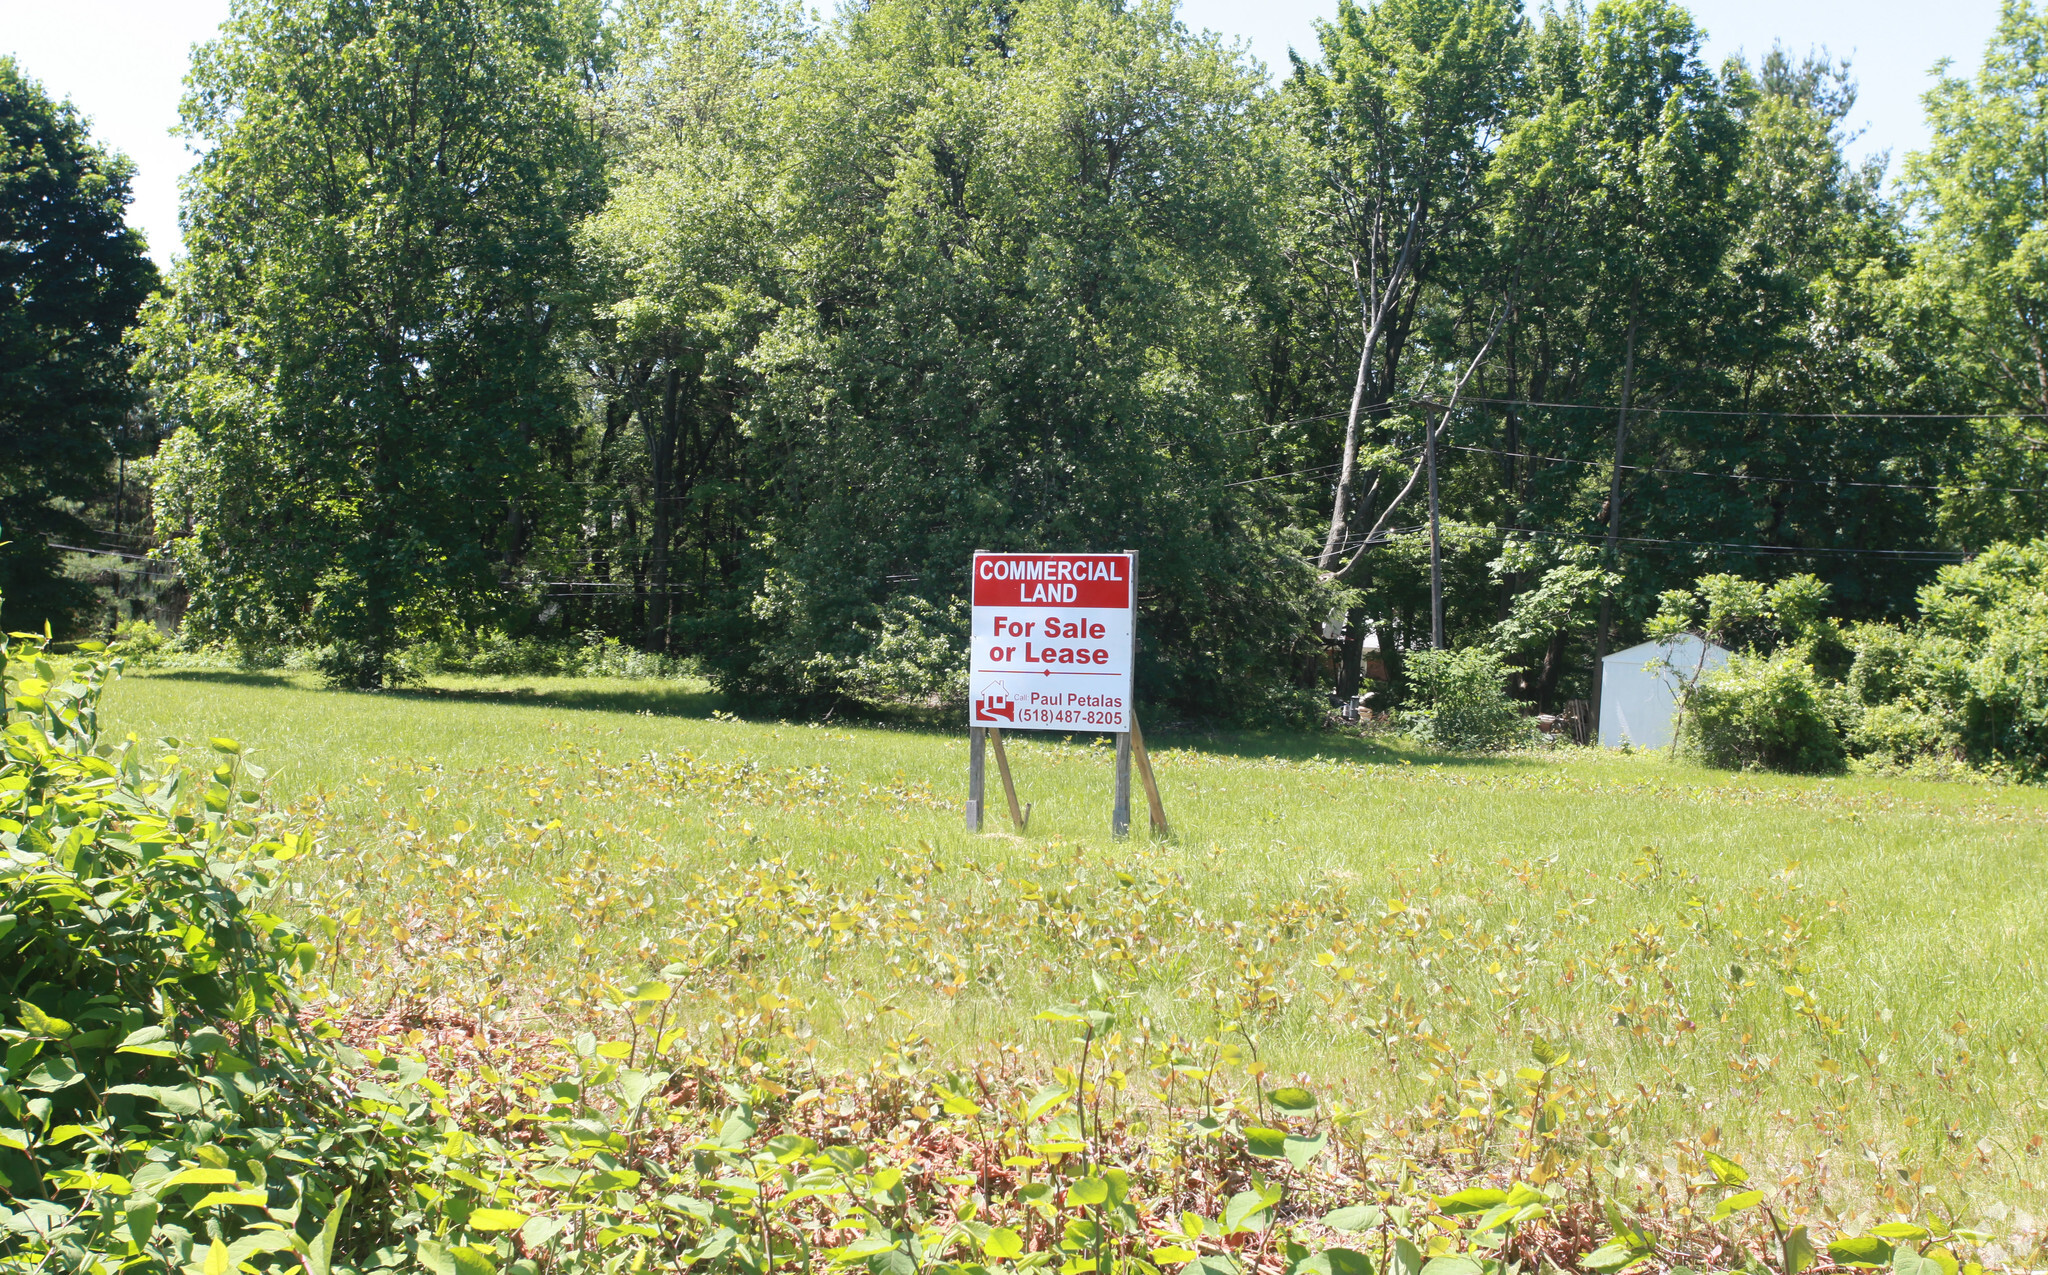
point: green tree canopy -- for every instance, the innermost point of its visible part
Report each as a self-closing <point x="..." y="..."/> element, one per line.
<point x="361" y="350"/>
<point x="73" y="276"/>
<point x="1981" y="191"/>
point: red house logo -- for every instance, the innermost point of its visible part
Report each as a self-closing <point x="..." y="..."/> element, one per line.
<point x="995" y="705"/>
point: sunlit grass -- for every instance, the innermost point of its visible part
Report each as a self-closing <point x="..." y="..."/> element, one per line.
<point x="1841" y="977"/>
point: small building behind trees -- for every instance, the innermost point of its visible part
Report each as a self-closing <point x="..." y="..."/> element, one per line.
<point x="1639" y="688"/>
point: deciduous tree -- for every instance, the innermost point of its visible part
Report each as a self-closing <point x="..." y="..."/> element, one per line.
<point x="361" y="353"/>
<point x="73" y="275"/>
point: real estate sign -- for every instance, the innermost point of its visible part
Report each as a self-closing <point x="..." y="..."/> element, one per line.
<point x="1053" y="641"/>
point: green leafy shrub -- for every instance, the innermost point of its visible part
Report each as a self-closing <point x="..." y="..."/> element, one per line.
<point x="1768" y="714"/>
<point x="1910" y="688"/>
<point x="1462" y="701"/>
<point x="161" y="1098"/>
<point x="138" y="642"/>
<point x="2005" y="718"/>
<point x="603" y="656"/>
<point x="1900" y="733"/>
<point x="498" y="654"/>
<point x="919" y="656"/>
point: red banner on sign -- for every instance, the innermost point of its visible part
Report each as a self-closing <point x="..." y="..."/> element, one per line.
<point x="1052" y="580"/>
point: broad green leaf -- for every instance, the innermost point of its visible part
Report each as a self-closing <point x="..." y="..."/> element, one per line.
<point x="1003" y="1244"/>
<point x="866" y="1246"/>
<point x="1293" y="1101"/>
<point x="141" y="1220"/>
<point x="278" y="1241"/>
<point x="1301" y="1151"/>
<point x="217" y="1262"/>
<point x="1797" y="1251"/>
<point x="152" y="1042"/>
<point x="1907" y="1260"/>
<point x="1726" y="1171"/>
<point x="1406" y="1258"/>
<point x="496" y="1220"/>
<point x="256" y="1199"/>
<point x="1736" y="1204"/>
<point x="634" y="1085"/>
<point x="1454" y="1265"/>
<point x="1335" y="1261"/>
<point x="1476" y="1199"/>
<point x="40" y="1024"/>
<point x="222" y="744"/>
<point x="434" y="1255"/>
<point x="788" y="1148"/>
<point x="1244" y="1208"/>
<point x="52" y="1074"/>
<point x="86" y="1180"/>
<point x="1899" y="1231"/>
<point x="1045" y="1101"/>
<point x="1355" y="1217"/>
<point x="1088" y="1191"/>
<point x="200" y="1176"/>
<point x="1269" y="1144"/>
<point x="1861" y="1250"/>
<point x="1609" y="1257"/>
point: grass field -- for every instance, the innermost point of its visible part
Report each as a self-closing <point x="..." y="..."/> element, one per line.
<point x="1839" y="980"/>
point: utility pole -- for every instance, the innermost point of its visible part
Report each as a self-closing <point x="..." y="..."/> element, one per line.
<point x="1436" y="546"/>
<point x="1628" y="385"/>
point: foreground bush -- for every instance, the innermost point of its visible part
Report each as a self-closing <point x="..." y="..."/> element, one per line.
<point x="165" y="1102"/>
<point x="1768" y="714"/>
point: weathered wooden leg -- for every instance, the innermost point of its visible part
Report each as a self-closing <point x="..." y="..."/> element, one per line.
<point x="975" y="766"/>
<point x="995" y="736"/>
<point x="1157" y="811"/>
<point x="1120" y="813"/>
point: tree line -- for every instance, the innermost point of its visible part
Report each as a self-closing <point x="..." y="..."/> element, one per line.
<point x="732" y="333"/>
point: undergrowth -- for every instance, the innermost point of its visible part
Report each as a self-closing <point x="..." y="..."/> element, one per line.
<point x="540" y="1043"/>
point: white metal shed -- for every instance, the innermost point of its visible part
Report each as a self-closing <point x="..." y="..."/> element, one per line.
<point x="1638" y="703"/>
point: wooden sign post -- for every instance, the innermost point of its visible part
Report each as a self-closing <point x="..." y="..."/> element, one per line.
<point x="1054" y="647"/>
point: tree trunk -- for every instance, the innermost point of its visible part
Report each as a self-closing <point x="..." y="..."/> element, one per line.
<point x="1351" y="671"/>
<point x="1373" y="310"/>
<point x="662" y="442"/>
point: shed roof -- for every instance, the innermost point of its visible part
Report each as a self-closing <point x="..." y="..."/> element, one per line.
<point x="1685" y="645"/>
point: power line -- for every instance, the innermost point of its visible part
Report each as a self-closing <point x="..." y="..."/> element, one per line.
<point x="1904" y="555"/>
<point x="110" y="553"/>
<point x="1811" y="416"/>
<point x="1752" y="478"/>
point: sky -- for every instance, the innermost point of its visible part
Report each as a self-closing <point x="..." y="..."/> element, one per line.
<point x="122" y="63"/>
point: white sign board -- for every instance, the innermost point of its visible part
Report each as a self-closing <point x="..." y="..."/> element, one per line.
<point x="1052" y="641"/>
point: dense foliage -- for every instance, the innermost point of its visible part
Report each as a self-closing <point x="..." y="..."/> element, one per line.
<point x="360" y="349"/>
<point x="1461" y="701"/>
<point x="1958" y="684"/>
<point x="1763" y="713"/>
<point x="728" y="331"/>
<point x="72" y="279"/>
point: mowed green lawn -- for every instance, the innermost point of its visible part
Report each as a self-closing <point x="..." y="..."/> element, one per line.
<point x="1839" y="978"/>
